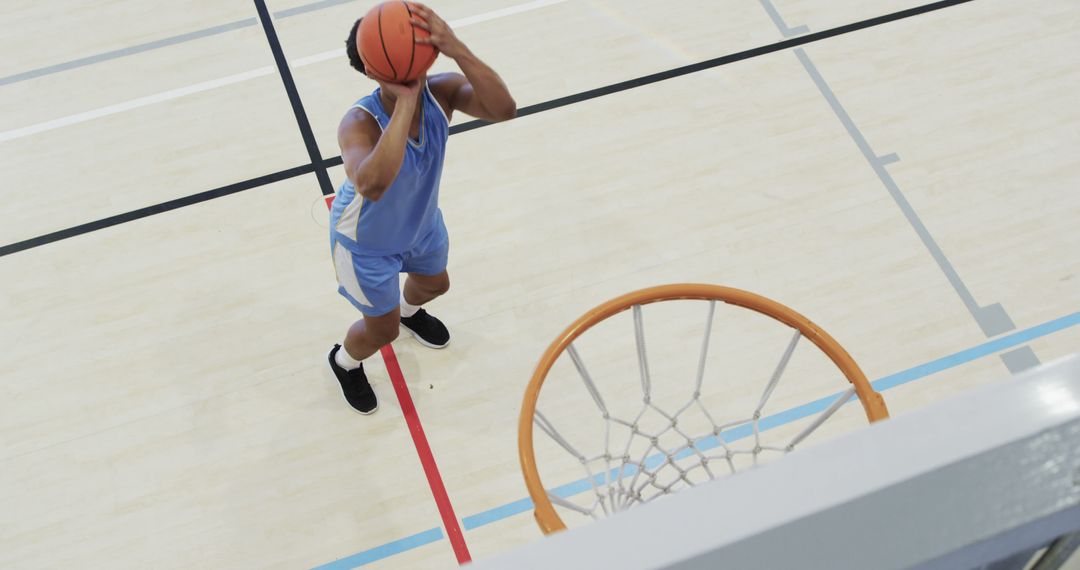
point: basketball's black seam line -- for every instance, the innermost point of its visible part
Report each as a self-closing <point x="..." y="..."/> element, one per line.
<point x="471" y="125"/>
<point x="306" y="133"/>
<point x="382" y="43"/>
<point x="412" y="54"/>
<point x="368" y="64"/>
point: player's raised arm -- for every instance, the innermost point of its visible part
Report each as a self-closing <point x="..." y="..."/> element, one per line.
<point x="481" y="92"/>
<point x="372" y="161"/>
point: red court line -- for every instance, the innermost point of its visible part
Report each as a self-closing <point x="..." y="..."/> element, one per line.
<point x="423" y="450"/>
<point x="442" y="500"/>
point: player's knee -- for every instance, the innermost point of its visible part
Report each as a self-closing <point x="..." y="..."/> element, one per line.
<point x="381" y="332"/>
<point x="442" y="286"/>
<point x="384" y="335"/>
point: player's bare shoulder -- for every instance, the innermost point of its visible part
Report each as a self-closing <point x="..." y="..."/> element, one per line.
<point x="445" y="86"/>
<point x="358" y="125"/>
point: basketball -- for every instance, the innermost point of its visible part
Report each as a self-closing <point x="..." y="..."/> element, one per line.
<point x="387" y="44"/>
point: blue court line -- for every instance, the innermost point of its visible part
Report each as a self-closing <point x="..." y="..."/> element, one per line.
<point x="787" y="416"/>
<point x="800" y="412"/>
<point x="976" y="352"/>
<point x="385" y="551"/>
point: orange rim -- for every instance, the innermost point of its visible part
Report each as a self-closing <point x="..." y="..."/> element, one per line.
<point x="546" y="516"/>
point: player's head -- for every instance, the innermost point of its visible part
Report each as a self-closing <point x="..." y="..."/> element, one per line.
<point x="351" y="49"/>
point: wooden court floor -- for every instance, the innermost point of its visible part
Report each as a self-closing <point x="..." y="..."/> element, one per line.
<point x="167" y="295"/>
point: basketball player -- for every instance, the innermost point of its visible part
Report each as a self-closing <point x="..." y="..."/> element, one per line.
<point x="385" y="219"/>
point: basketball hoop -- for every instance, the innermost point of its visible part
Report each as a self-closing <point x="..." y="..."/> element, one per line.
<point x="619" y="487"/>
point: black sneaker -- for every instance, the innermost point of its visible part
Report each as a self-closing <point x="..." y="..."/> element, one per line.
<point x="427" y="330"/>
<point x="354" y="386"/>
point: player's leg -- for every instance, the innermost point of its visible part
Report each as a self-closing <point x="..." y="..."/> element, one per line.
<point x="366" y="336"/>
<point x="421" y="289"/>
<point x="428" y="279"/>
<point x="370" y="283"/>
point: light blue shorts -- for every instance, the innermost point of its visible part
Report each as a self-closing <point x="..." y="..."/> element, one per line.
<point x="370" y="282"/>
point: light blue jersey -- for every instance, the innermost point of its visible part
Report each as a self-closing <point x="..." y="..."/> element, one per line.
<point x="373" y="242"/>
<point x="409" y="209"/>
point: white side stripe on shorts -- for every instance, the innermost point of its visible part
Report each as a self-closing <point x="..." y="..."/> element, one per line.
<point x="346" y="274"/>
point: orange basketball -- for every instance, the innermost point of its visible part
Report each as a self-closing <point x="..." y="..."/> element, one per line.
<point x="387" y="43"/>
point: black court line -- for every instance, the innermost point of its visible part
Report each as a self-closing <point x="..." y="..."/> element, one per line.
<point x="716" y="62"/>
<point x="321" y="165"/>
<point x="157" y="209"/>
<point x="294" y="98"/>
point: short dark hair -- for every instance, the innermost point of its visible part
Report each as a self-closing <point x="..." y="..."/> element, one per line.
<point x="354" y="53"/>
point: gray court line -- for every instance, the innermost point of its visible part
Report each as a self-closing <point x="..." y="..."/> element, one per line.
<point x="310" y="8"/>
<point x="115" y="54"/>
<point x="779" y="21"/>
<point x="890" y="158"/>
<point x="992" y="319"/>
<point x="165" y="42"/>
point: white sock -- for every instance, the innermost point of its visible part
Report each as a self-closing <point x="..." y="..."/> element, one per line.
<point x="345" y="360"/>
<point x="407" y="310"/>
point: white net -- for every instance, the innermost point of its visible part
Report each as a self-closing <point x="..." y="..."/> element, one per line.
<point x="655" y="446"/>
